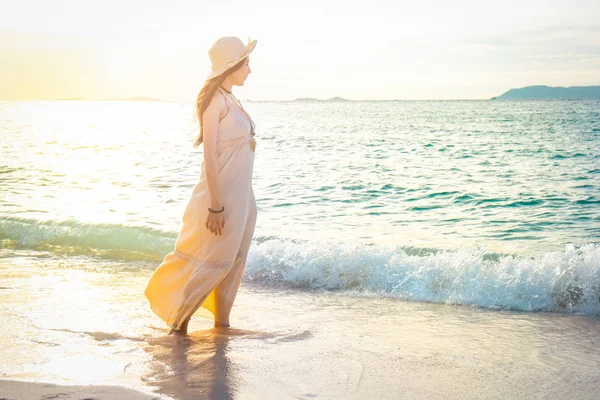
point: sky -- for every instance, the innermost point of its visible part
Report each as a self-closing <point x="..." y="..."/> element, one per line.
<point x="392" y="49"/>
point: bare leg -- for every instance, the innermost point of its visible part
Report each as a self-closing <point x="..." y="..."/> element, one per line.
<point x="184" y="326"/>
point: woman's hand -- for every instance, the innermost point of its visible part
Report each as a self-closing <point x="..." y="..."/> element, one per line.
<point x="215" y="222"/>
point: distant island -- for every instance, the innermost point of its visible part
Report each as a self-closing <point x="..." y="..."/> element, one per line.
<point x="310" y="99"/>
<point x="548" y="92"/>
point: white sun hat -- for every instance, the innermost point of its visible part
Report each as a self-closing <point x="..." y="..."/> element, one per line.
<point x="227" y="52"/>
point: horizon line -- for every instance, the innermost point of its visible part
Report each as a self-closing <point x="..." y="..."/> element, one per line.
<point x="299" y="99"/>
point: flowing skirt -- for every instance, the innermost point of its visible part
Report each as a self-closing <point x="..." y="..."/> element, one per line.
<point x="205" y="270"/>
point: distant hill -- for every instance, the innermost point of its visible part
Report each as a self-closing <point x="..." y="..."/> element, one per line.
<point x="548" y="92"/>
<point x="306" y="99"/>
<point x="310" y="99"/>
<point x="337" y="99"/>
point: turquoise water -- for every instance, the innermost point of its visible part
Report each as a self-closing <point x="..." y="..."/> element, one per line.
<point x="489" y="203"/>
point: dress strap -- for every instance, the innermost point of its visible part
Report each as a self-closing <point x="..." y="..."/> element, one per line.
<point x="232" y="100"/>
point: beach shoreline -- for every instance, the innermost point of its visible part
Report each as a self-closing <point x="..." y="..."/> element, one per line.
<point x="25" y="390"/>
<point x="323" y="345"/>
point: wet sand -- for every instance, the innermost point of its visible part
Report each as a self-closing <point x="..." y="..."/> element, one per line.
<point x="92" y="328"/>
<point x="338" y="347"/>
<point x="18" y="390"/>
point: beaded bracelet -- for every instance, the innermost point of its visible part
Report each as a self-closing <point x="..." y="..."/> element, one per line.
<point x="216" y="212"/>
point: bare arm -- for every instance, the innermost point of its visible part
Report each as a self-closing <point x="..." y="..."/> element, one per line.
<point x="210" y="123"/>
<point x="210" y="126"/>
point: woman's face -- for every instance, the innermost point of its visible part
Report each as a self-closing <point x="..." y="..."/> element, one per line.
<point x="239" y="77"/>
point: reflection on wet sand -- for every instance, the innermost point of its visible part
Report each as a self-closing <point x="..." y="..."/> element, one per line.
<point x="197" y="366"/>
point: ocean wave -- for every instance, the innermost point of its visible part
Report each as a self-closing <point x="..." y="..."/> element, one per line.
<point x="111" y="241"/>
<point x="561" y="281"/>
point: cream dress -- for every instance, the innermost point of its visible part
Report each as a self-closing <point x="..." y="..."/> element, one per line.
<point x="205" y="269"/>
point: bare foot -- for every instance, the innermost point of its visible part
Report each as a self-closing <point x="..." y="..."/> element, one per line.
<point x="221" y="325"/>
<point x="178" y="333"/>
<point x="182" y="331"/>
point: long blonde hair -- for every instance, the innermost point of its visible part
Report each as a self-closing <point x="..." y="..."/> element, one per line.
<point x="206" y="94"/>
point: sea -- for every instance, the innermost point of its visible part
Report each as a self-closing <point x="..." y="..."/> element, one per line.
<point x="490" y="205"/>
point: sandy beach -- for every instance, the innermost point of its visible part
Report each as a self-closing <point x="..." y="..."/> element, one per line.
<point x="307" y="345"/>
<point x="13" y="390"/>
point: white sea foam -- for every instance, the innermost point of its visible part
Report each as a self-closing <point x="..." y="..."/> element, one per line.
<point x="561" y="281"/>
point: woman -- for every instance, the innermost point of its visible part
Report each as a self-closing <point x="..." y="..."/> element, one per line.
<point x="207" y="263"/>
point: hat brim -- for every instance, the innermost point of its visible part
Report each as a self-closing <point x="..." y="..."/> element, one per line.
<point x="249" y="49"/>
